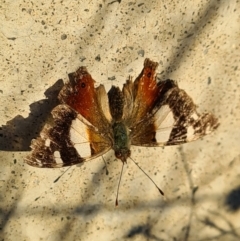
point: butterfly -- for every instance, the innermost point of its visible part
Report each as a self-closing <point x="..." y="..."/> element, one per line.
<point x="89" y="121"/>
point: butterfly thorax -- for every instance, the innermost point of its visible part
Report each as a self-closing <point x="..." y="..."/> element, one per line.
<point x="121" y="144"/>
<point x="121" y="140"/>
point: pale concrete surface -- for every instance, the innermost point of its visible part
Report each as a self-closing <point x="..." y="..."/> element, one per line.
<point x="196" y="43"/>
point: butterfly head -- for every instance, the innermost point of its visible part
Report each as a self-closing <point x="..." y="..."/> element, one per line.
<point x="123" y="154"/>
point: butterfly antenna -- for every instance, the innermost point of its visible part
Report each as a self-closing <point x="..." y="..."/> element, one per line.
<point x="116" y="203"/>
<point x="148" y="177"/>
<point x="62" y="174"/>
<point x="107" y="172"/>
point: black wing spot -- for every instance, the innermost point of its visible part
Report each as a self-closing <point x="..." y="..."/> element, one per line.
<point x="149" y="74"/>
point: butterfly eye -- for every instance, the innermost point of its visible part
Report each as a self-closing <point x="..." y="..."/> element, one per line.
<point x="83" y="85"/>
<point x="118" y="154"/>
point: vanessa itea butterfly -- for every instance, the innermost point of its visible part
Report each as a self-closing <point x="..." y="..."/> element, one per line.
<point x="89" y="122"/>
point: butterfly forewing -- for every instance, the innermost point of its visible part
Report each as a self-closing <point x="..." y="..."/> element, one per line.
<point x="172" y="118"/>
<point x="75" y="135"/>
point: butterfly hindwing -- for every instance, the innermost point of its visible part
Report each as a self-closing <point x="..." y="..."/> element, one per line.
<point x="82" y="96"/>
<point x="140" y="95"/>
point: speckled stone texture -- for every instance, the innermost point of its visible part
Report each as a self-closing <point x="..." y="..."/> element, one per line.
<point x="197" y="43"/>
